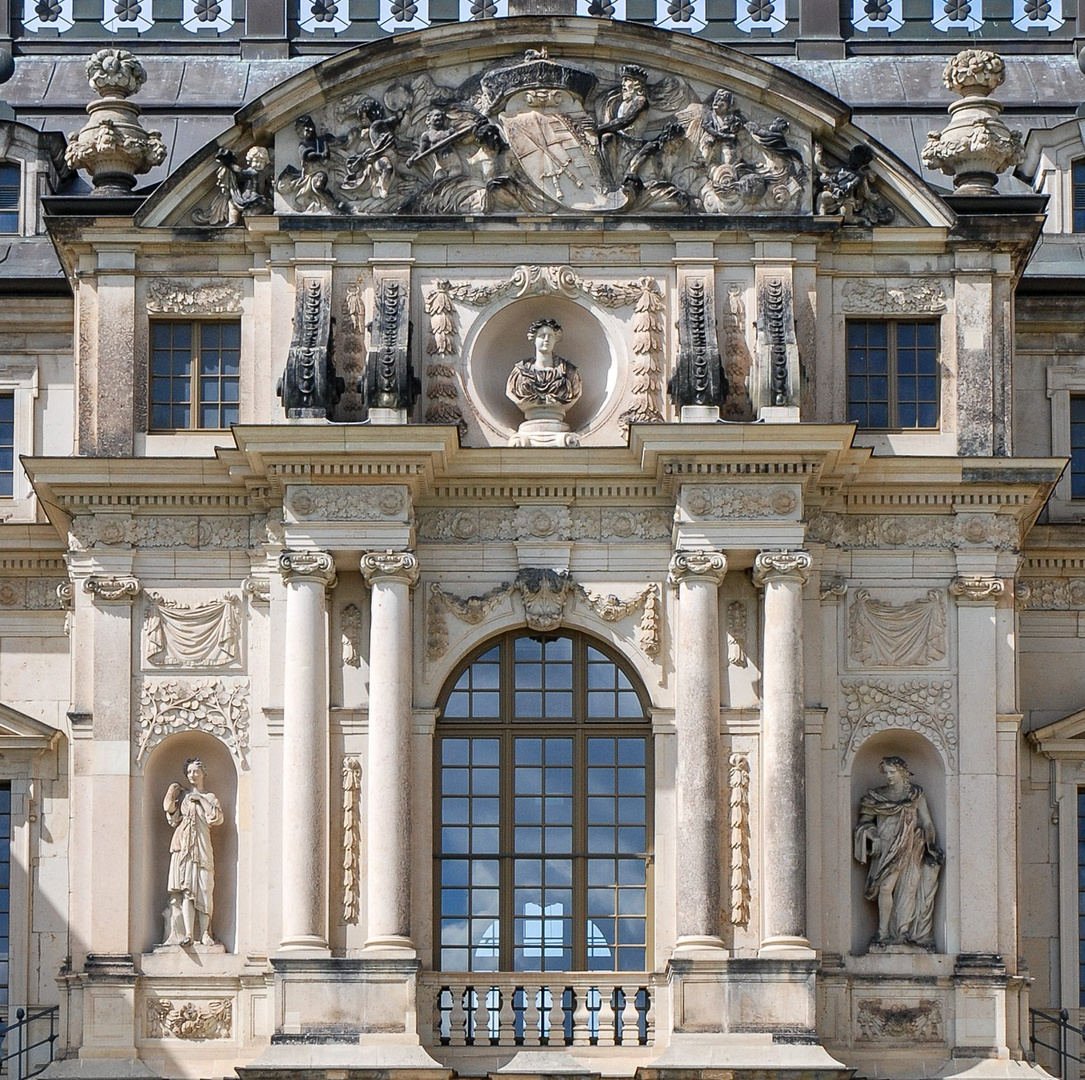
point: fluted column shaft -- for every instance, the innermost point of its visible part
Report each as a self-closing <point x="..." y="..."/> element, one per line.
<point x="698" y="575"/>
<point x="390" y="575"/>
<point x="782" y="575"/>
<point x="307" y="575"/>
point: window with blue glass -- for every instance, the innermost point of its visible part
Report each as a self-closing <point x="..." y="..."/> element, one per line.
<point x="1077" y="194"/>
<point x="1077" y="446"/>
<point x="543" y="810"/>
<point x="195" y="375"/>
<point x="892" y="374"/>
<point x="9" y="197"/>
<point x="7" y="445"/>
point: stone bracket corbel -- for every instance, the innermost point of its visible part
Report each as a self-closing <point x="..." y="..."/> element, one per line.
<point x="389" y="380"/>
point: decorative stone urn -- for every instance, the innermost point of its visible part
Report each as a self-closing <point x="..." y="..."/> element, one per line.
<point x="113" y="147"/>
<point x="977" y="145"/>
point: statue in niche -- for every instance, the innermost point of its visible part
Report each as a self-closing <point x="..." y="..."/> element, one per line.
<point x="544" y="387"/>
<point x="191" y="883"/>
<point x="896" y="839"/>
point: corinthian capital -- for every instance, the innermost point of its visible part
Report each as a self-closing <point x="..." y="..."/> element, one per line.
<point x="307" y="566"/>
<point x="698" y="566"/>
<point x="112" y="589"/>
<point x="977" y="589"/>
<point x="774" y="566"/>
<point x="390" y="566"/>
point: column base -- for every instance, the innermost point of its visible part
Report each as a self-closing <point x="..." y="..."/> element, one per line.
<point x="305" y="945"/>
<point x="992" y="1069"/>
<point x="321" y="1061"/>
<point x="97" y="1068"/>
<point x="786" y="947"/>
<point x="743" y="1056"/>
<point x="692" y="947"/>
<point x="394" y="945"/>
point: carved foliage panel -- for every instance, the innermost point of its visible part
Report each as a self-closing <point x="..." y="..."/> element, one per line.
<point x="923" y="705"/>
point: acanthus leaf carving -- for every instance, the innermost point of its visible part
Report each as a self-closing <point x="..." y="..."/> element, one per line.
<point x="912" y="634"/>
<point x="352" y="793"/>
<point x="442" y="386"/>
<point x="647" y="346"/>
<point x="997" y="531"/>
<point x="192" y="635"/>
<point x="922" y="705"/>
<point x="219" y="708"/>
<point x="174" y="296"/>
<point x="544" y="593"/>
<point x="189" y="1019"/>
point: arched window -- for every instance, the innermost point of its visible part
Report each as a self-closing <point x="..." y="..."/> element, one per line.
<point x="543" y="812"/>
<point x="9" y="197"/>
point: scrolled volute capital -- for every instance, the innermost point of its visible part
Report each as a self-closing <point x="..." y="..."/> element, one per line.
<point x="112" y="589"/>
<point x="688" y="566"/>
<point x="781" y="566"/>
<point x="307" y="566"/>
<point x="977" y="589"/>
<point x="390" y="566"/>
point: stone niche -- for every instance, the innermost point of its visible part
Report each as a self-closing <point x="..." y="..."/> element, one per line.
<point x="929" y="773"/>
<point x="165" y="765"/>
<point x="498" y="339"/>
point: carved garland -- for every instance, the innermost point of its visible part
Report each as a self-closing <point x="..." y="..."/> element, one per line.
<point x="352" y="788"/>
<point x="921" y="705"/>
<point x="189" y="1019"/>
<point x="219" y="708"/>
<point x="167" y="295"/>
<point x="740" y="839"/>
<point x="918" y="296"/>
<point x="921" y="1022"/>
<point x="442" y="389"/>
<point x="469" y="525"/>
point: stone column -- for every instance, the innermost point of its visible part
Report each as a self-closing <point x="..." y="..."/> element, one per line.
<point x="390" y="575"/>
<point x="306" y="574"/>
<point x="782" y="575"/>
<point x="698" y="575"/>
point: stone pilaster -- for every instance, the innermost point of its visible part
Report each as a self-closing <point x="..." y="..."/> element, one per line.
<point x="307" y="575"/>
<point x="782" y="575"/>
<point x="390" y="575"/>
<point x="697" y="576"/>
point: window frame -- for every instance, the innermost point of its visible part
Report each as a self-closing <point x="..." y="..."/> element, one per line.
<point x="893" y="375"/>
<point x="1077" y="188"/>
<point x="195" y="402"/>
<point x="1064" y="382"/>
<point x="506" y="728"/>
<point x="19" y="197"/>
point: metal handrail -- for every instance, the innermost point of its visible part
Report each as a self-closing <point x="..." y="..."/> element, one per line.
<point x="19" y="1032"/>
<point x="1064" y="1028"/>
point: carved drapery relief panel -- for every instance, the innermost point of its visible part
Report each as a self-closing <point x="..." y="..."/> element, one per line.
<point x="922" y="705"/>
<point x="882" y="634"/>
<point x="538" y="134"/>
<point x="481" y="526"/>
<point x="352" y="830"/>
<point x="104" y="530"/>
<point x="168" y="1019"/>
<point x="881" y="1021"/>
<point x="172" y="296"/>
<point x="32" y="594"/>
<point x="873" y="296"/>
<point x="919" y="531"/>
<point x="217" y="707"/>
<point x="331" y="502"/>
<point x="192" y="635"/>
<point x="739" y="805"/>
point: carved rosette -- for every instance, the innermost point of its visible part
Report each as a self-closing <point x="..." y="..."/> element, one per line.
<point x="112" y="590"/>
<point x="977" y="589"/>
<point x="771" y="567"/>
<point x="691" y="566"/>
<point x="307" y="566"/>
<point x="113" y="147"/>
<point x="393" y="567"/>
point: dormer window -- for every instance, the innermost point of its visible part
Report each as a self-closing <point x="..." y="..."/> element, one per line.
<point x="1077" y="196"/>
<point x="9" y="197"/>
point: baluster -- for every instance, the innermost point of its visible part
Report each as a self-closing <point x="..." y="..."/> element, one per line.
<point x="606" y="1032"/>
<point x="532" y="994"/>
<point x="556" y="1035"/>
<point x="649" y="1018"/>
<point x="457" y="1017"/>
<point x="581" y="1017"/>
<point x="506" y="1032"/>
<point x="438" y="1003"/>
<point x="630" y="1017"/>
<point x="482" y="1016"/>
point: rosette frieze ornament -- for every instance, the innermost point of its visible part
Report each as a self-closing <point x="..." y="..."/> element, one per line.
<point x="690" y="566"/>
<point x="390" y="566"/>
<point x="307" y="566"/>
<point x="772" y="566"/>
<point x="976" y="145"/>
<point x="977" y="589"/>
<point x="113" y="147"/>
<point x="112" y="590"/>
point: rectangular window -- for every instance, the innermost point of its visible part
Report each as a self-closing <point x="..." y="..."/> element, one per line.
<point x="1077" y="180"/>
<point x="892" y="372"/>
<point x="5" y="889"/>
<point x="1081" y="894"/>
<point x="7" y="445"/>
<point x="1077" y="446"/>
<point x="195" y="375"/>
<point x="9" y="197"/>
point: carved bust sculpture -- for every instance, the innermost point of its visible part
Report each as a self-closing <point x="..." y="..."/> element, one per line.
<point x="544" y="387"/>
<point x="895" y="838"/>
<point x="191" y="882"/>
